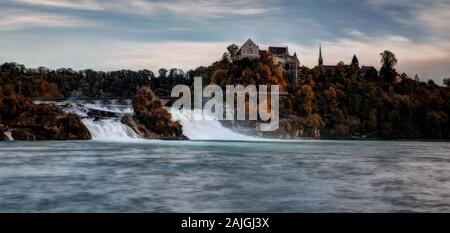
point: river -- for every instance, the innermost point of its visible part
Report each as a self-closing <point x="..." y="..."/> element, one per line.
<point x="225" y="176"/>
<point x="220" y="170"/>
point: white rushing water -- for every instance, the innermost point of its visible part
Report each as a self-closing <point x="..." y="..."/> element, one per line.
<point x="207" y="129"/>
<point x="8" y="135"/>
<point x="112" y="129"/>
<point x="108" y="129"/>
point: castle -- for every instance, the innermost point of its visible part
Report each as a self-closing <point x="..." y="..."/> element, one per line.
<point x="290" y="63"/>
<point x="364" y="71"/>
<point x="248" y="50"/>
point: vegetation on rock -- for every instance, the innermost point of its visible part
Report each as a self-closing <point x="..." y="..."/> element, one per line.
<point x="334" y="102"/>
<point x="151" y="114"/>
<point x="28" y="121"/>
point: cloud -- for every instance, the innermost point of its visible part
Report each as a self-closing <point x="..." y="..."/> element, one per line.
<point x="184" y="55"/>
<point x="426" y="53"/>
<point x="354" y="32"/>
<point x="430" y="60"/>
<point x="418" y="36"/>
<point x="72" y="4"/>
<point x="434" y="56"/>
<point x="110" y="54"/>
<point x="196" y="8"/>
<point x="19" y="19"/>
<point x="435" y="18"/>
<point x="431" y="16"/>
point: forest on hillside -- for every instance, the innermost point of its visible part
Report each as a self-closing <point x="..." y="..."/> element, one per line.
<point x="338" y="102"/>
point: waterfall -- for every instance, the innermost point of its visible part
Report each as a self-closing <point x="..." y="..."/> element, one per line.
<point x="112" y="129"/>
<point x="208" y="129"/>
<point x="109" y="130"/>
<point x="8" y="135"/>
<point x="106" y="129"/>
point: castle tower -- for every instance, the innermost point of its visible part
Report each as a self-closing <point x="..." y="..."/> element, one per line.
<point x="320" y="56"/>
<point x="355" y="61"/>
<point x="294" y="70"/>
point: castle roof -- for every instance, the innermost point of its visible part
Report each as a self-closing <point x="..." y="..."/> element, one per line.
<point x="333" y="67"/>
<point x="278" y="50"/>
<point x="365" y="69"/>
<point x="249" y="41"/>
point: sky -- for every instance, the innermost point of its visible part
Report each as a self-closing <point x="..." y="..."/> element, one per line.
<point x="147" y="34"/>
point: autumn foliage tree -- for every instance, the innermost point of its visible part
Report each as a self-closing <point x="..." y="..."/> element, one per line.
<point x="328" y="102"/>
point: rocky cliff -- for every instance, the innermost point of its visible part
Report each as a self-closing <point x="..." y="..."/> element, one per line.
<point x="150" y="119"/>
<point x="28" y="121"/>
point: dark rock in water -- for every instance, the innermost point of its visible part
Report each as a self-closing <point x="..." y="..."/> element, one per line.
<point x="139" y="128"/>
<point x="47" y="123"/>
<point x="29" y="121"/>
<point x="3" y="129"/>
<point x="3" y="137"/>
<point x="71" y="128"/>
<point x="99" y="114"/>
<point x="151" y="115"/>
<point x="23" y="135"/>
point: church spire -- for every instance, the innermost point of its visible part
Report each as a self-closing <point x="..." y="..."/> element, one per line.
<point x="320" y="55"/>
<point x="355" y="61"/>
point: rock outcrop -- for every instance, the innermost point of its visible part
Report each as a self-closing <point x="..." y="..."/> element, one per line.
<point x="28" y="121"/>
<point x="151" y="120"/>
<point x="23" y="134"/>
<point x="138" y="127"/>
<point x="3" y="130"/>
<point x="99" y="114"/>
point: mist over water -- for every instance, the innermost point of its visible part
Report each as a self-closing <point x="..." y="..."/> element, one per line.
<point x="105" y="129"/>
<point x="206" y="129"/>
<point x="112" y="129"/>
<point x="219" y="171"/>
<point x="220" y="176"/>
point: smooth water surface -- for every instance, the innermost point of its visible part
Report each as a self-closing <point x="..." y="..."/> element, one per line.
<point x="224" y="176"/>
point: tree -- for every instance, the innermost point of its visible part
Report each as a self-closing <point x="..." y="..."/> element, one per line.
<point x="435" y="121"/>
<point x="162" y="73"/>
<point x="388" y="62"/>
<point x="446" y="82"/>
<point x="233" y="49"/>
<point x="303" y="100"/>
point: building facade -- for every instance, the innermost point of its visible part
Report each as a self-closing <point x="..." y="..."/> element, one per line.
<point x="364" y="71"/>
<point x="280" y="56"/>
<point x="290" y="63"/>
<point x="248" y="50"/>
